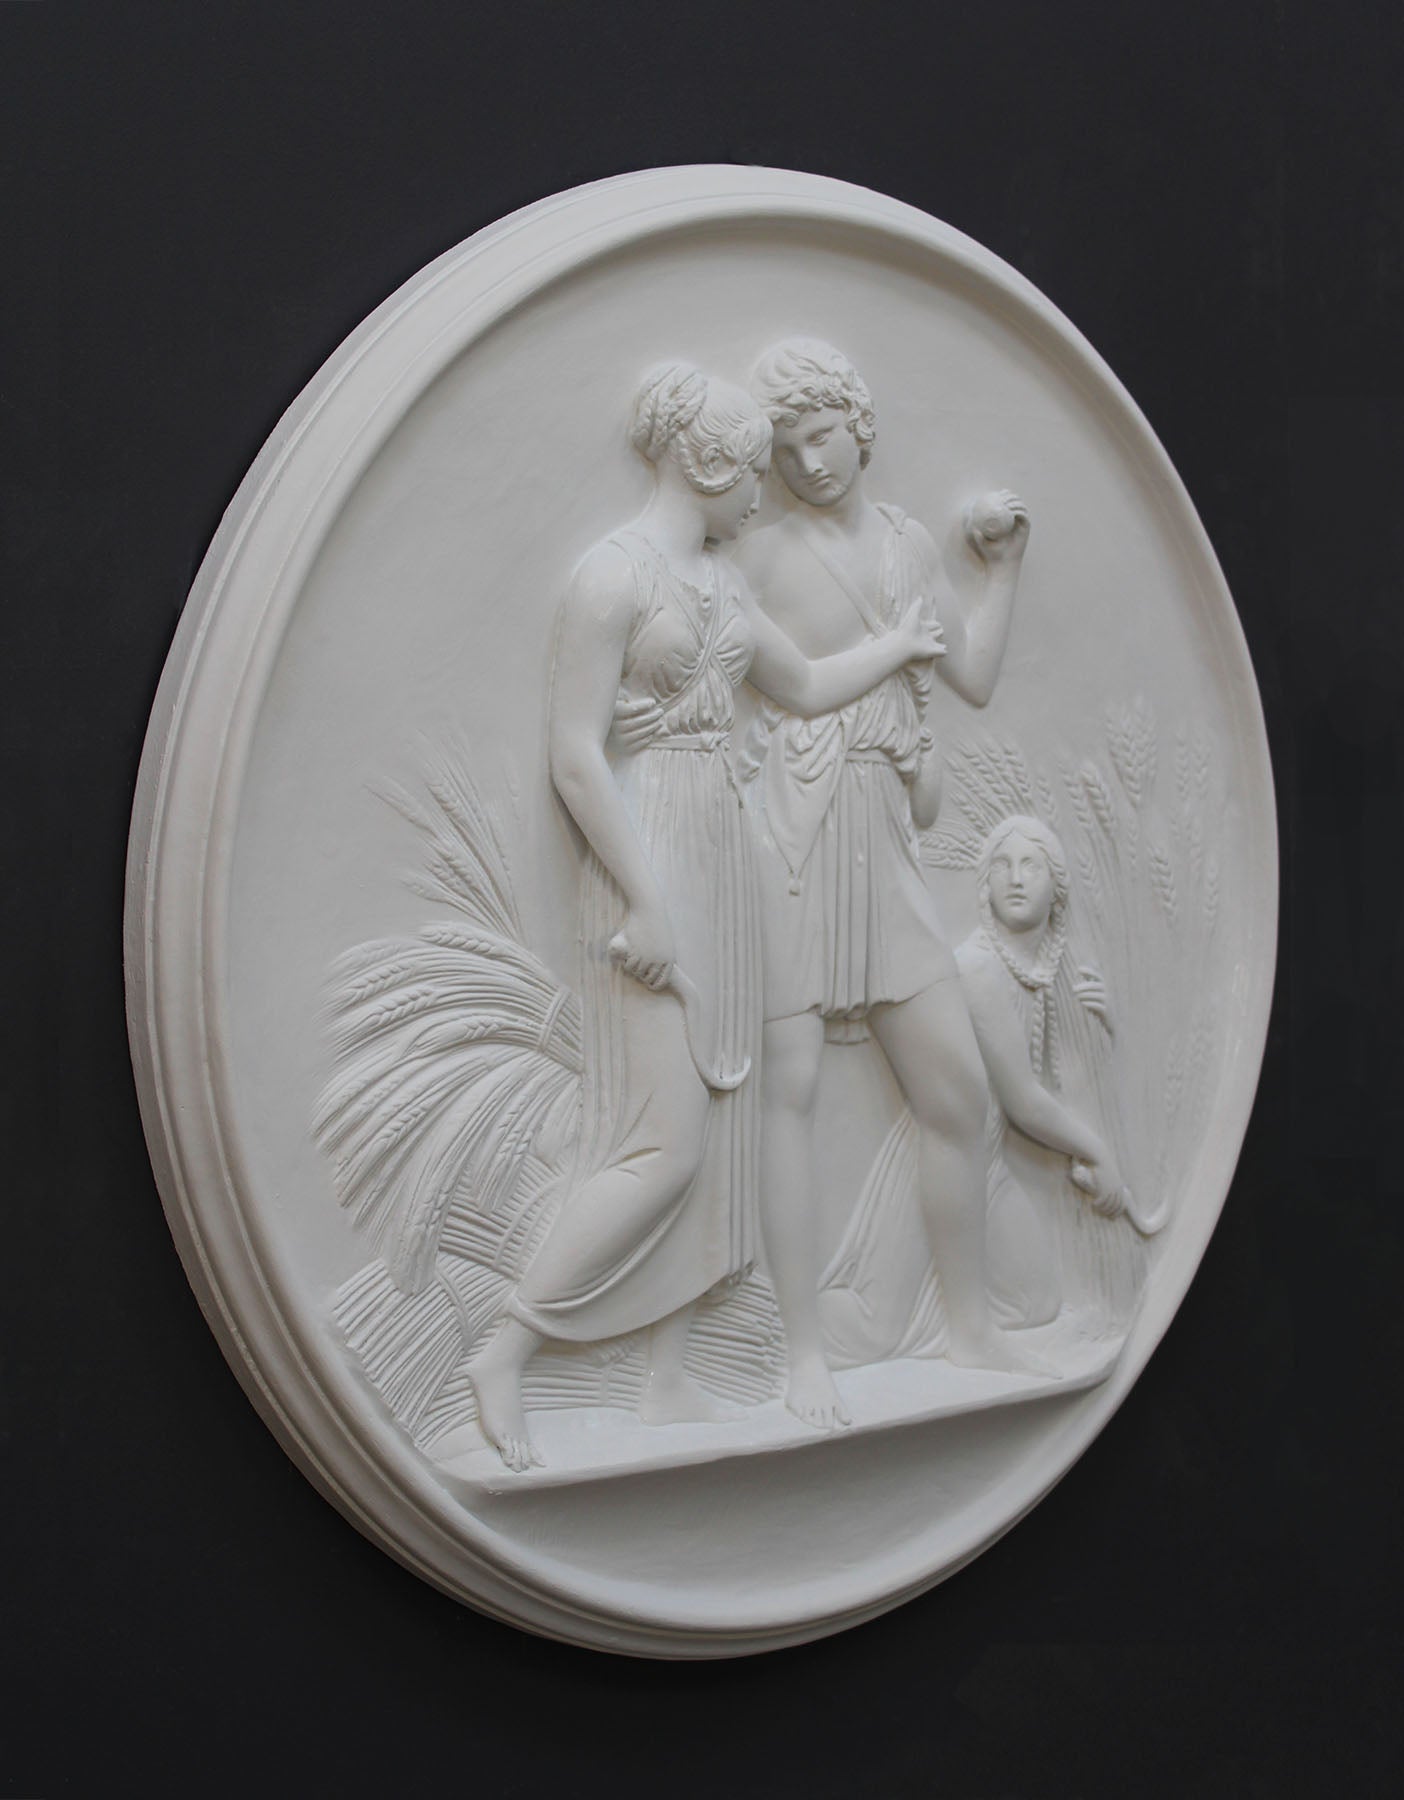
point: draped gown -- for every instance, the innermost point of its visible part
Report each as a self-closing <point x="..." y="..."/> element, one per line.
<point x="687" y="652"/>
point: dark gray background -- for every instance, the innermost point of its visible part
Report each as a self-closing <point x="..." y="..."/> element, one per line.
<point x="199" y="202"/>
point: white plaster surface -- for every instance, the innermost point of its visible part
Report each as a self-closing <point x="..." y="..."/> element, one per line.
<point x="383" y="593"/>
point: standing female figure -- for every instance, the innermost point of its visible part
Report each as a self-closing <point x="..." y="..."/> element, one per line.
<point x="655" y="635"/>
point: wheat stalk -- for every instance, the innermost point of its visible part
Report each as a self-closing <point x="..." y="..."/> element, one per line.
<point x="1203" y="750"/>
<point x="1017" y="772"/>
<point x="1047" y="801"/>
<point x="1184" y="773"/>
<point x="1077" y="796"/>
<point x="1163" y="880"/>
<point x="1131" y="741"/>
<point x="1087" y="870"/>
<point x="950" y="849"/>
<point x="1194" y="843"/>
<point x="1099" y="797"/>
<point x="1211" y="893"/>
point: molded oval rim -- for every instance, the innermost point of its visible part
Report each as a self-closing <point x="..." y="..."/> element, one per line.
<point x="181" y="845"/>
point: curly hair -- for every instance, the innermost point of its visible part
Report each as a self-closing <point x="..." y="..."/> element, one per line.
<point x="713" y="431"/>
<point x="804" y="375"/>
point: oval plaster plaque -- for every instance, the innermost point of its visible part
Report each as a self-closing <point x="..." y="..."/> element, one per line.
<point x="701" y="911"/>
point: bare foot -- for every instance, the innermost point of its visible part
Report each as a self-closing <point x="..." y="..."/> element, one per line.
<point x="676" y="1399"/>
<point x="498" y="1391"/>
<point x="812" y="1397"/>
<point x="1001" y="1350"/>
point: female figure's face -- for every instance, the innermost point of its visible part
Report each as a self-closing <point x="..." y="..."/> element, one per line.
<point x="726" y="513"/>
<point x="1021" y="884"/>
<point x="818" y="456"/>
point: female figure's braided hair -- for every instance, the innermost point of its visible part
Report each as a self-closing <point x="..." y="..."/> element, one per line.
<point x="712" y="431"/>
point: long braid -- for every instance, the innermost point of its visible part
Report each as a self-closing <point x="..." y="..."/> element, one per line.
<point x="1036" y="978"/>
<point x="1045" y="1049"/>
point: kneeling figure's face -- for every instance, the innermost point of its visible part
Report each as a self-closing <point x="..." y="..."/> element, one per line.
<point x="818" y="457"/>
<point x="1021" y="884"/>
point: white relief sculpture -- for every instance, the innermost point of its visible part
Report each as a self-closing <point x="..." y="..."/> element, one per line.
<point x="554" y="1183"/>
<point x="1028" y="997"/>
<point x="1041" y="1017"/>
<point x="452" y="1126"/>
<point x="655" y="635"/>
<point x="388" y="1194"/>
<point x="1079" y="982"/>
<point x="1144" y="856"/>
<point x="852" y="935"/>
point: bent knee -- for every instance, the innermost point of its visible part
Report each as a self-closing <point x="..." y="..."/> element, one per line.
<point x="669" y="1165"/>
<point x="791" y="1090"/>
<point x="791" y="1056"/>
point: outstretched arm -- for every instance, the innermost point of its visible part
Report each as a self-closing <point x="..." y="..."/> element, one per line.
<point x="808" y="688"/>
<point x="997" y="530"/>
<point x="592" y="635"/>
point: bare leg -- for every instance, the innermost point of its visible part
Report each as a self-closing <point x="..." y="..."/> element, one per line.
<point x="607" y="1216"/>
<point x="930" y="1043"/>
<point x="496" y="1375"/>
<point x="793" y="1049"/>
<point x="671" y="1396"/>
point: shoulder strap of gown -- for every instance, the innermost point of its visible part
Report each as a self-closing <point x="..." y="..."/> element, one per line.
<point x="710" y="628"/>
<point x="851" y="591"/>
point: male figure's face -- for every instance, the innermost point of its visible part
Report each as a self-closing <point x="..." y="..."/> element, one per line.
<point x="818" y="457"/>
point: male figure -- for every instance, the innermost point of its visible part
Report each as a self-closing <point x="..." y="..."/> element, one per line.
<point x="852" y="936"/>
